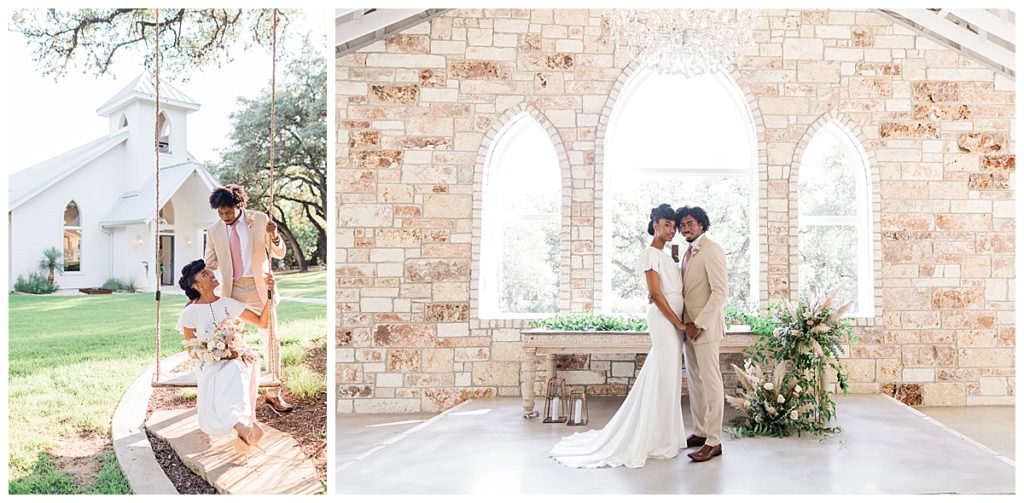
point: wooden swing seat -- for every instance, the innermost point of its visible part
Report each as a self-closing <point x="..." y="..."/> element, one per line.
<point x="188" y="380"/>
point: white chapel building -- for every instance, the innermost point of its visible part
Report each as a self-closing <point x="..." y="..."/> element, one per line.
<point x="97" y="202"/>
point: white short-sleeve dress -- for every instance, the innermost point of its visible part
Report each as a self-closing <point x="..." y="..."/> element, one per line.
<point x="226" y="389"/>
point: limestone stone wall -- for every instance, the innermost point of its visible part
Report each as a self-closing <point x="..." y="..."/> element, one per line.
<point x="417" y="112"/>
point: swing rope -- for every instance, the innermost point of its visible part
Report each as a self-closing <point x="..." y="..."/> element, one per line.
<point x="156" y="144"/>
<point x="273" y="351"/>
<point x="273" y="348"/>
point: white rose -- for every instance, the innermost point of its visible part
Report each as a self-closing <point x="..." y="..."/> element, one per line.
<point x="797" y="388"/>
<point x="793" y="415"/>
<point x="768" y="386"/>
<point x="780" y="399"/>
<point x="747" y="404"/>
<point x="771" y="410"/>
<point x="220" y="345"/>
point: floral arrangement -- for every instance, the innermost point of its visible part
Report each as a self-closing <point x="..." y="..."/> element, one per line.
<point x="225" y="342"/>
<point x="801" y="340"/>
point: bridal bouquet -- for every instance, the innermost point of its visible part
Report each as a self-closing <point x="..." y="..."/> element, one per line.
<point x="225" y="342"/>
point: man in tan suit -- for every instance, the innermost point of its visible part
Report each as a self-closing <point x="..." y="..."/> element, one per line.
<point x="240" y="245"/>
<point x="705" y="287"/>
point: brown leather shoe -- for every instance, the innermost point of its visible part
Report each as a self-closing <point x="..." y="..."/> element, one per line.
<point x="695" y="441"/>
<point x="277" y="404"/>
<point x="705" y="453"/>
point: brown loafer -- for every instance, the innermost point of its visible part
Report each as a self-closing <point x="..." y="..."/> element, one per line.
<point x="695" y="441"/>
<point x="705" y="453"/>
<point x="278" y="404"/>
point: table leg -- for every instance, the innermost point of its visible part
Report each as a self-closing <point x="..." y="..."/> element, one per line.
<point x="529" y="377"/>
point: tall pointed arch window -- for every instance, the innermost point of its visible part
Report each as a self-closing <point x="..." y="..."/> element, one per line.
<point x="72" y="239"/>
<point x="834" y="218"/>
<point x="163" y="125"/>
<point x="685" y="142"/>
<point x="521" y="224"/>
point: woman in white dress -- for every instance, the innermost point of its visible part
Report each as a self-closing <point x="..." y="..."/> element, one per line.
<point x="226" y="396"/>
<point x="649" y="424"/>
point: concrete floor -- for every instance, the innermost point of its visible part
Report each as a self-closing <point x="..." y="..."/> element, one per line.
<point x="992" y="427"/>
<point x="485" y="446"/>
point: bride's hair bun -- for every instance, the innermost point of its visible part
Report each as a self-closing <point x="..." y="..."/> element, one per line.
<point x="663" y="210"/>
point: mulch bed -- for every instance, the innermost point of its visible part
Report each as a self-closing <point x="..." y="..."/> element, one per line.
<point x="184" y="479"/>
<point x="307" y="423"/>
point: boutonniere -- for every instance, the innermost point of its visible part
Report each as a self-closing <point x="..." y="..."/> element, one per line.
<point x="694" y="249"/>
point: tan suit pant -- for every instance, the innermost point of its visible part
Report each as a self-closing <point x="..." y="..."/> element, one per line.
<point x="244" y="291"/>
<point x="707" y="393"/>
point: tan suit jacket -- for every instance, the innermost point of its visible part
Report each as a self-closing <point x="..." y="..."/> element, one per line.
<point x="705" y="288"/>
<point x="218" y="251"/>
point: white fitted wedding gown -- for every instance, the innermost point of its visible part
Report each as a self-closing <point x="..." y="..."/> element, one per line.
<point x="649" y="424"/>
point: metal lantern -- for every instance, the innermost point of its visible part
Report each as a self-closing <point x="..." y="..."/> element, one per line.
<point x="578" y="415"/>
<point x="556" y="401"/>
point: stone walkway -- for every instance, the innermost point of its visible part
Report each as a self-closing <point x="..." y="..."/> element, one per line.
<point x="282" y="469"/>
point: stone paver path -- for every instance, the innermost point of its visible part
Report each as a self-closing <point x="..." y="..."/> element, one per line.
<point x="282" y="469"/>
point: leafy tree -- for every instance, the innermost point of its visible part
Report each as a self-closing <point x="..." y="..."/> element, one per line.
<point x="828" y="253"/>
<point x="300" y="173"/>
<point x="727" y="203"/>
<point x="190" y="39"/>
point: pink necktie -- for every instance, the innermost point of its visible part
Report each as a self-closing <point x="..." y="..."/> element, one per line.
<point x="686" y="259"/>
<point x="236" y="251"/>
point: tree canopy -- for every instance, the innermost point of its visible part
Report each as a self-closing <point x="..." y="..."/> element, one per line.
<point x="300" y="176"/>
<point x="190" y="39"/>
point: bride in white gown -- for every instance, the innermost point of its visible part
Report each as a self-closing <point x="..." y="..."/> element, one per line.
<point x="649" y="424"/>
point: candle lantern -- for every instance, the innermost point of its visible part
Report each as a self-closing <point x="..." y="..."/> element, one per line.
<point x="578" y="415"/>
<point x="556" y="401"/>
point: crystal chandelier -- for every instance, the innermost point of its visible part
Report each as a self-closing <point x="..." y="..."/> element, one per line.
<point x="684" y="42"/>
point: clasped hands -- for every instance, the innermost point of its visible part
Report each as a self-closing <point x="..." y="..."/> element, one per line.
<point x="690" y="329"/>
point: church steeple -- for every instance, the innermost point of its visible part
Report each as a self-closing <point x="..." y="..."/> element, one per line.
<point x="144" y="88"/>
<point x="134" y="108"/>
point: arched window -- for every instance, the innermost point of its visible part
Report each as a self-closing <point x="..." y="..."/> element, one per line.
<point x="163" y="125"/>
<point x="685" y="142"/>
<point x="167" y="214"/>
<point x="834" y="217"/>
<point x="521" y="242"/>
<point x="72" y="238"/>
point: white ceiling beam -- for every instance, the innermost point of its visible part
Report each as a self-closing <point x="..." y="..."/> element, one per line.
<point x="951" y="34"/>
<point x="987" y="21"/>
<point x="357" y="28"/>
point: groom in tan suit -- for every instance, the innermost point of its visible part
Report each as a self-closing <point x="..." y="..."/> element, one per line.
<point x="238" y="245"/>
<point x="705" y="287"/>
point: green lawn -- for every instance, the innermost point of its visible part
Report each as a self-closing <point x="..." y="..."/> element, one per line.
<point x="307" y="285"/>
<point x="70" y="360"/>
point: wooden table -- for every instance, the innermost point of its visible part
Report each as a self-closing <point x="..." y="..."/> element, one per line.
<point x="552" y="343"/>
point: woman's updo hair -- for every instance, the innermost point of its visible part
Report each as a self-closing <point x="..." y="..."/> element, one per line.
<point x="188" y="278"/>
<point x="662" y="211"/>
